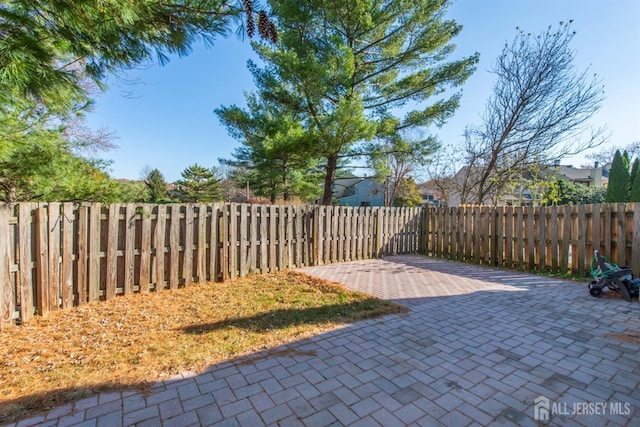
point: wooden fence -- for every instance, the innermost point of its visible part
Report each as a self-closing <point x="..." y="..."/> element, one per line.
<point x="558" y="239"/>
<point x="57" y="255"/>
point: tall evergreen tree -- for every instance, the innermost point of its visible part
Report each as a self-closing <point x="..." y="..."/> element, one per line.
<point x="199" y="184"/>
<point x="634" y="193"/>
<point x="618" y="187"/>
<point x="634" y="172"/>
<point x="345" y="69"/>
<point x="276" y="155"/>
<point x="156" y="186"/>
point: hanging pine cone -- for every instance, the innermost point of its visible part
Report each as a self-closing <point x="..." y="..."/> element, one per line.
<point x="263" y="24"/>
<point x="273" y="32"/>
<point x="251" y="26"/>
<point x="248" y="6"/>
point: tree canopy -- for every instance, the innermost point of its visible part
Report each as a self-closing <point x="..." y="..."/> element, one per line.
<point x="538" y="113"/>
<point x="618" y="187"/>
<point x="199" y="184"/>
<point x="345" y="69"/>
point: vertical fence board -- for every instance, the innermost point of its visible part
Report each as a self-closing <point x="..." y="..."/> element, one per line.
<point x="581" y="240"/>
<point x="174" y="247"/>
<point x="161" y="225"/>
<point x="508" y="230"/>
<point x="290" y="218"/>
<point x="113" y="226"/>
<point x="145" y="249"/>
<point x="129" y="247"/>
<point x="542" y="240"/>
<point x="328" y="234"/>
<point x="607" y="231"/>
<point x="233" y="241"/>
<point x="214" y="237"/>
<point x="202" y="245"/>
<point x="566" y="235"/>
<point x="554" y="238"/>
<point x="264" y="254"/>
<point x="621" y="237"/>
<point x="531" y="261"/>
<point x="299" y="236"/>
<point x="25" y="277"/>
<point x="243" y="224"/>
<point x="82" y="255"/>
<point x="253" y="232"/>
<point x="93" y="282"/>
<point x="42" y="261"/>
<point x="596" y="220"/>
<point x="635" y="242"/>
<point x="54" y="228"/>
<point x="66" y="267"/>
<point x="520" y="230"/>
<point x="273" y="239"/>
<point x="189" y="218"/>
<point x="7" y="296"/>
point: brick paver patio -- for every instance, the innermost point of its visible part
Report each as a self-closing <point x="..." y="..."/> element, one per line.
<point x="477" y="348"/>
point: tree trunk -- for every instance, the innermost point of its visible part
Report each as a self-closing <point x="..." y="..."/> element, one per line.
<point x="332" y="165"/>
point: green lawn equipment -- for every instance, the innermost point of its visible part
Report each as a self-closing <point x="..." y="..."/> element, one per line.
<point x="608" y="275"/>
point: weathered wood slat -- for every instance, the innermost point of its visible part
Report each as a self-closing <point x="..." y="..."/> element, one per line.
<point x="553" y="218"/>
<point x="42" y="261"/>
<point x="26" y="249"/>
<point x="273" y="238"/>
<point x="243" y="226"/>
<point x="93" y="282"/>
<point x="328" y="235"/>
<point x="190" y="224"/>
<point x="531" y="261"/>
<point x="233" y="241"/>
<point x="174" y="247"/>
<point x="201" y="264"/>
<point x="520" y="230"/>
<point x="264" y="241"/>
<point x="66" y="267"/>
<point x="508" y="231"/>
<point x="130" y="222"/>
<point x="635" y="242"/>
<point x="541" y="247"/>
<point x="253" y="232"/>
<point x="145" y="248"/>
<point x="214" y="238"/>
<point x="621" y="239"/>
<point x="7" y="295"/>
<point x="160" y="244"/>
<point x="581" y="240"/>
<point x="113" y="225"/>
<point x="54" y="240"/>
<point x="566" y="237"/>
<point x="83" y="253"/>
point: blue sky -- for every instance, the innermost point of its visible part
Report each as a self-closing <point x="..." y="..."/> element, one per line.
<point x="163" y="116"/>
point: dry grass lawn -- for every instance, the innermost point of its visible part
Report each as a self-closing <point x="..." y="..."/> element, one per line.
<point x="133" y="341"/>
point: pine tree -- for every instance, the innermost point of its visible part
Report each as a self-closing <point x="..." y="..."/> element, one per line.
<point x="618" y="187"/>
<point x="157" y="186"/>
<point x="345" y="69"/>
<point x="199" y="184"/>
<point x="634" y="194"/>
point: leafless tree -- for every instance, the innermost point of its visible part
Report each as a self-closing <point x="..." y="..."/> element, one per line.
<point x="605" y="156"/>
<point x="538" y="113"/>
